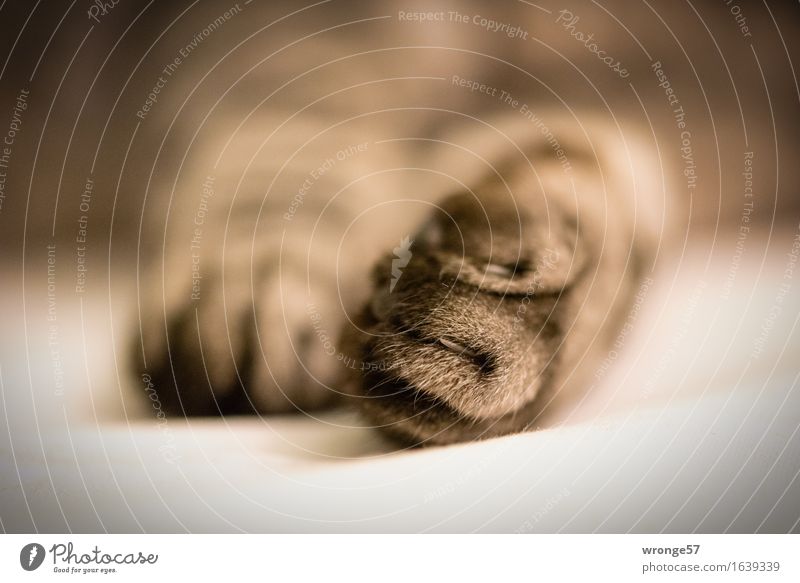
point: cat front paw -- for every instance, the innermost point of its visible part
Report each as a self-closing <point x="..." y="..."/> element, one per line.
<point x="241" y="342"/>
<point x="463" y="327"/>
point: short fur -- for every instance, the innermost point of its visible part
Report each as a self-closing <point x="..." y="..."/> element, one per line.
<point x="523" y="253"/>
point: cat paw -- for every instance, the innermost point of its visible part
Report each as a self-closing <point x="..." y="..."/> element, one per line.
<point x="240" y="342"/>
<point x="463" y="329"/>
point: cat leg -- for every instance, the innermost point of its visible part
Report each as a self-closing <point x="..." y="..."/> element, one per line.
<point x="465" y="339"/>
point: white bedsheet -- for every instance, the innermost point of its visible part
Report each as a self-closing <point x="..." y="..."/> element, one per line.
<point x="695" y="428"/>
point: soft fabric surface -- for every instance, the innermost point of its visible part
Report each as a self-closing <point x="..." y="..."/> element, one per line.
<point x="693" y="427"/>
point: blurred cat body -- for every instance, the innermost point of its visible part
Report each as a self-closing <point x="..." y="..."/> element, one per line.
<point x="283" y="207"/>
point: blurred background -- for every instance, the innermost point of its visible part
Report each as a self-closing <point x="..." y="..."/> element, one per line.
<point x="708" y="379"/>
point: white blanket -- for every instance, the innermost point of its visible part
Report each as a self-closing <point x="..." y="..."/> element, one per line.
<point x="694" y="427"/>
